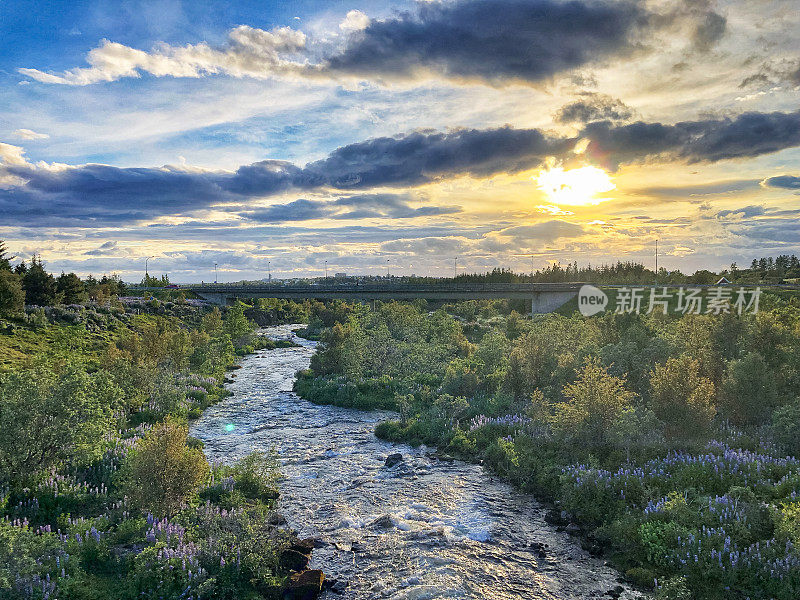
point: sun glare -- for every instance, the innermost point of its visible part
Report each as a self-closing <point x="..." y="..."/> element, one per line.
<point x="574" y="187"/>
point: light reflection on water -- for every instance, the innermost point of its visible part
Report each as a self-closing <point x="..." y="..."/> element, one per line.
<point x="422" y="529"/>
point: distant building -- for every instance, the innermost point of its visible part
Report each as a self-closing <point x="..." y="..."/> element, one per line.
<point x="340" y="275"/>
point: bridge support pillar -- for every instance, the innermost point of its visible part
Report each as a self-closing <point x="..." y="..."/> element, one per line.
<point x="547" y="302"/>
<point x="213" y="298"/>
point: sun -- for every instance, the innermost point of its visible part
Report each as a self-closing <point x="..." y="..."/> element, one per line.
<point x="574" y="187"/>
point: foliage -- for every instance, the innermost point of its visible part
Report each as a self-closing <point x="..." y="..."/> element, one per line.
<point x="593" y="406"/>
<point x="682" y="398"/>
<point x="162" y="472"/>
<point x="12" y="297"/>
<point x="51" y="416"/>
<point x="786" y="427"/>
<point x="614" y="417"/>
<point x="749" y="391"/>
<point x="71" y="289"/>
<point x="40" y="287"/>
<point x="5" y="259"/>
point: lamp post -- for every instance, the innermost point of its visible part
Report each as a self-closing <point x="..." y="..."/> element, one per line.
<point x="269" y="271"/>
<point x="387" y="268"/>
<point x="146" y="276"/>
<point x="656" y="277"/>
<point x="455" y="267"/>
<point x="215" y="272"/>
<point x="326" y="269"/>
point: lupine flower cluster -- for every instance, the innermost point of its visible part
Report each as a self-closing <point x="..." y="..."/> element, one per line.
<point x="720" y="509"/>
<point x="710" y="538"/>
<point x="57" y="485"/>
<point x="710" y="472"/>
<point x="711" y="552"/>
<point x="517" y="421"/>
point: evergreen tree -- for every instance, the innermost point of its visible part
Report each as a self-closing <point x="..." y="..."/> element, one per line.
<point x="21" y="269"/>
<point x="40" y="287"/>
<point x="5" y="258"/>
<point x="12" y="298"/>
<point x="71" y="288"/>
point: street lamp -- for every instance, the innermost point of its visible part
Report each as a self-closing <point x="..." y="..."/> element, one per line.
<point x="269" y="271"/>
<point x="146" y="276"/>
<point x="455" y="267"/>
<point x="215" y="272"/>
<point x="387" y="268"/>
<point x="326" y="269"/>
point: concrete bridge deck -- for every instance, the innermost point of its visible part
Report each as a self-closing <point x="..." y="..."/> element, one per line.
<point x="544" y="297"/>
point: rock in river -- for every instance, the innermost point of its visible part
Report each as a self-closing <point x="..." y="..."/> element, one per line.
<point x="305" y="585"/>
<point x="393" y="459"/>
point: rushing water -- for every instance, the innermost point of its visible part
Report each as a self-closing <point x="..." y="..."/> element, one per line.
<point x="422" y="529"/>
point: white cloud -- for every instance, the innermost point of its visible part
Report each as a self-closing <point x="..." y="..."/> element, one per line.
<point x="12" y="155"/>
<point x="27" y="134"/>
<point x="355" y="20"/>
<point x="248" y="52"/>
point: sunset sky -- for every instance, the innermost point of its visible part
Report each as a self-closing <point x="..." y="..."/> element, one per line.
<point x="507" y="133"/>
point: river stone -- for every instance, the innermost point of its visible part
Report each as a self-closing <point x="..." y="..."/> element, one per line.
<point x="305" y="585"/>
<point x="393" y="459"/>
<point x="382" y="522"/>
<point x="304" y="546"/>
<point x="292" y="560"/>
<point x="276" y="518"/>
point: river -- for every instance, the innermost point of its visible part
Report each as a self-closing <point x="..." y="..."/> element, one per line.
<point x="421" y="529"/>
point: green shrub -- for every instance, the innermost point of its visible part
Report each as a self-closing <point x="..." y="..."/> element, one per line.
<point x="256" y="476"/>
<point x="162" y="472"/>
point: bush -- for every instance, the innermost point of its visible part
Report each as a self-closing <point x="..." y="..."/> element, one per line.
<point x="49" y="417"/>
<point x="162" y="472"/>
<point x="592" y="406"/>
<point x="786" y="427"/>
<point x="256" y="475"/>
<point x="682" y="398"/>
<point x="748" y="391"/>
<point x="12" y="298"/>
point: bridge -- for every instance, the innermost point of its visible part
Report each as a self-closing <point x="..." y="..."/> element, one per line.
<point x="543" y="297"/>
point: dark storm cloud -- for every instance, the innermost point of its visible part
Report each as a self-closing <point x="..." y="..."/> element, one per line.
<point x="745" y="212"/>
<point x="108" y="249"/>
<point x="493" y="40"/>
<point x="394" y="206"/>
<point x="709" y="30"/>
<point x="748" y="135"/>
<point x="423" y="157"/>
<point x="775" y="72"/>
<point x="102" y="195"/>
<point x="787" y="182"/>
<point x="546" y="231"/>
<point x="99" y="195"/>
<point x="299" y="210"/>
<point x="594" y="107"/>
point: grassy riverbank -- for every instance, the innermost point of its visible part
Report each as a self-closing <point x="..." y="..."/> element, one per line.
<point x="671" y="441"/>
<point x="102" y="493"/>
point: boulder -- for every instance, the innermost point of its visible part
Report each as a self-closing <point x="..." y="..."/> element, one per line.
<point x="305" y="585"/>
<point x="297" y="556"/>
<point x="382" y="522"/>
<point x="305" y="546"/>
<point x="393" y="459"/>
<point x="292" y="560"/>
<point x="555" y="517"/>
<point x="276" y="518"/>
